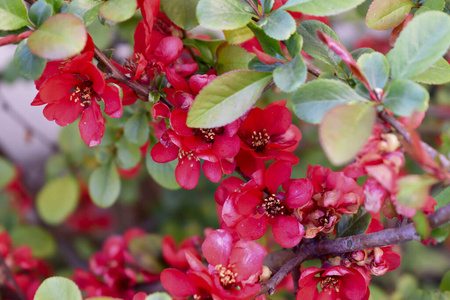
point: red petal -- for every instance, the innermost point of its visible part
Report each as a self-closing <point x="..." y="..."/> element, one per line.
<point x="92" y="125"/>
<point x="251" y="228"/>
<point x="218" y="245"/>
<point x="226" y="187"/>
<point x="187" y="173"/>
<point x="178" y="119"/>
<point x="226" y="147"/>
<point x="287" y="231"/>
<point x="247" y="202"/>
<point x="212" y="171"/>
<point x="248" y="258"/>
<point x="162" y="154"/>
<point x="177" y="283"/>
<point x="298" y="193"/>
<point x="278" y="172"/>
<point x="113" y="103"/>
<point x="57" y="87"/>
<point x="64" y="113"/>
<point x="169" y="49"/>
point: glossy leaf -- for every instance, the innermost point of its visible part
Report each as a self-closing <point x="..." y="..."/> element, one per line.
<point x="206" y="48"/>
<point x="58" y="199"/>
<point x="279" y="25"/>
<point x="405" y="96"/>
<point x="291" y="75"/>
<point x="104" y="185"/>
<point x="354" y="224"/>
<point x="321" y="7"/>
<point x="386" y="14"/>
<point x="13" y="15"/>
<point x="428" y="5"/>
<point x="137" y="129"/>
<point x="226" y="98"/>
<point x="224" y="14"/>
<point x="421" y="225"/>
<point x="7" y="172"/>
<point x="232" y="57"/>
<point x="376" y="69"/>
<point x="314" y="99"/>
<point x="163" y="174"/>
<point x="313" y="46"/>
<point x="294" y="44"/>
<point x="39" y="12"/>
<point x="439" y="73"/>
<point x="28" y="64"/>
<point x="87" y="10"/>
<point x="40" y="241"/>
<point x="57" y="288"/>
<point x="128" y="154"/>
<point x="60" y="36"/>
<point x="238" y="36"/>
<point x="269" y="45"/>
<point x="443" y="198"/>
<point x="56" y="4"/>
<point x="117" y="10"/>
<point x="440" y="234"/>
<point x="257" y="65"/>
<point x="267" y="5"/>
<point x="413" y="190"/>
<point x="344" y="130"/>
<point x="421" y="44"/>
<point x="181" y="12"/>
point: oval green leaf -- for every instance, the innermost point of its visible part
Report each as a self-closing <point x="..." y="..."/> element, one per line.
<point x="413" y="190"/>
<point x="344" y="130"/>
<point x="181" y="12"/>
<point x="405" y="96"/>
<point x="163" y="174"/>
<point x="86" y="10"/>
<point x="291" y="75"/>
<point x="386" y="14"/>
<point x="226" y="98"/>
<point x="137" y="129"/>
<point x="58" y="288"/>
<point x="315" y="98"/>
<point x="58" y="199"/>
<point x="128" y="154"/>
<point x="13" y="15"/>
<point x="60" y="36"/>
<point x="28" y="64"/>
<point x="7" y="172"/>
<point x="439" y="73"/>
<point x="104" y="185"/>
<point x="41" y="242"/>
<point x="421" y="44"/>
<point x="279" y="25"/>
<point x="158" y="296"/>
<point x="223" y="14"/>
<point x="39" y="12"/>
<point x="117" y="10"/>
<point x="233" y="57"/>
<point x="376" y="69"/>
<point x="354" y="224"/>
<point x="431" y="5"/>
<point x="321" y="7"/>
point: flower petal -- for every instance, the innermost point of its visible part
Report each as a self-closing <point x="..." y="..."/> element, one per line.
<point x="92" y="125"/>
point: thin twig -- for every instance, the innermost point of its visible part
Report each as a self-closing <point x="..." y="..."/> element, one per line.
<point x="10" y="277"/>
<point x="250" y="2"/>
<point x="312" y="69"/>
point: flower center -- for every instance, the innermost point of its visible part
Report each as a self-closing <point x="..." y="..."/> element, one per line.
<point x="226" y="276"/>
<point x="273" y="207"/>
<point x="260" y="140"/>
<point x="83" y="92"/>
<point x="330" y="283"/>
<point x="189" y="155"/>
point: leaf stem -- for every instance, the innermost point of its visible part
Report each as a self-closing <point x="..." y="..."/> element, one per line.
<point x="250" y="2"/>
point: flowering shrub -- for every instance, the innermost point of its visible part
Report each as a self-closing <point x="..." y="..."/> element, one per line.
<point x="187" y="101"/>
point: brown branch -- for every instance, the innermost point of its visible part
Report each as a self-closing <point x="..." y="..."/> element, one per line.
<point x="119" y="76"/>
<point x="10" y="277"/>
<point x="313" y="248"/>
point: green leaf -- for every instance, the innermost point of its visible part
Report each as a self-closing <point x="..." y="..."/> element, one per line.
<point x="55" y="166"/>
<point x="39" y="12"/>
<point x="146" y="250"/>
<point x="28" y="64"/>
<point x="269" y="45"/>
<point x="227" y="98"/>
<point x="267" y="5"/>
<point x="445" y="282"/>
<point x="137" y="129"/>
<point x="386" y="14"/>
<point x="58" y="199"/>
<point x="321" y="7"/>
<point x="238" y="36"/>
<point x="376" y="69"/>
<point x="232" y="57"/>
<point x="294" y="44"/>
<point x="41" y="242"/>
<point x="439" y="73"/>
<point x="429" y="295"/>
<point x="86" y="10"/>
<point x="421" y="44"/>
<point x="313" y="46"/>
<point x="104" y="185"/>
<point x="421" y="225"/>
<point x="206" y="48"/>
<point x="291" y="75"/>
<point x="128" y="154"/>
<point x="257" y="65"/>
<point x="344" y="130"/>
<point x="117" y="10"/>
<point x="13" y="15"/>
<point x="354" y="224"/>
<point x="279" y="25"/>
<point x="224" y="14"/>
<point x="315" y="98"/>
<point x="57" y="288"/>
<point x="163" y="174"/>
<point x="158" y="296"/>
<point x="440" y="234"/>
<point x="443" y="198"/>
<point x="430" y="5"/>
<point x="56" y="4"/>
<point x="405" y="96"/>
<point x="60" y="36"/>
<point x="413" y="190"/>
<point x="7" y="172"/>
<point x="181" y="12"/>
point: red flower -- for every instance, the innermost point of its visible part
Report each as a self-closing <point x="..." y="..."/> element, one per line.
<point x="73" y="91"/>
<point x="267" y="134"/>
<point x="233" y="270"/>
<point x="175" y="256"/>
<point x="336" y="283"/>
<point x="259" y="203"/>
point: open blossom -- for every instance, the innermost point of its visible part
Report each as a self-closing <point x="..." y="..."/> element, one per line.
<point x="176" y="256"/>
<point x="258" y="203"/>
<point x="336" y="283"/>
<point x="233" y="271"/>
